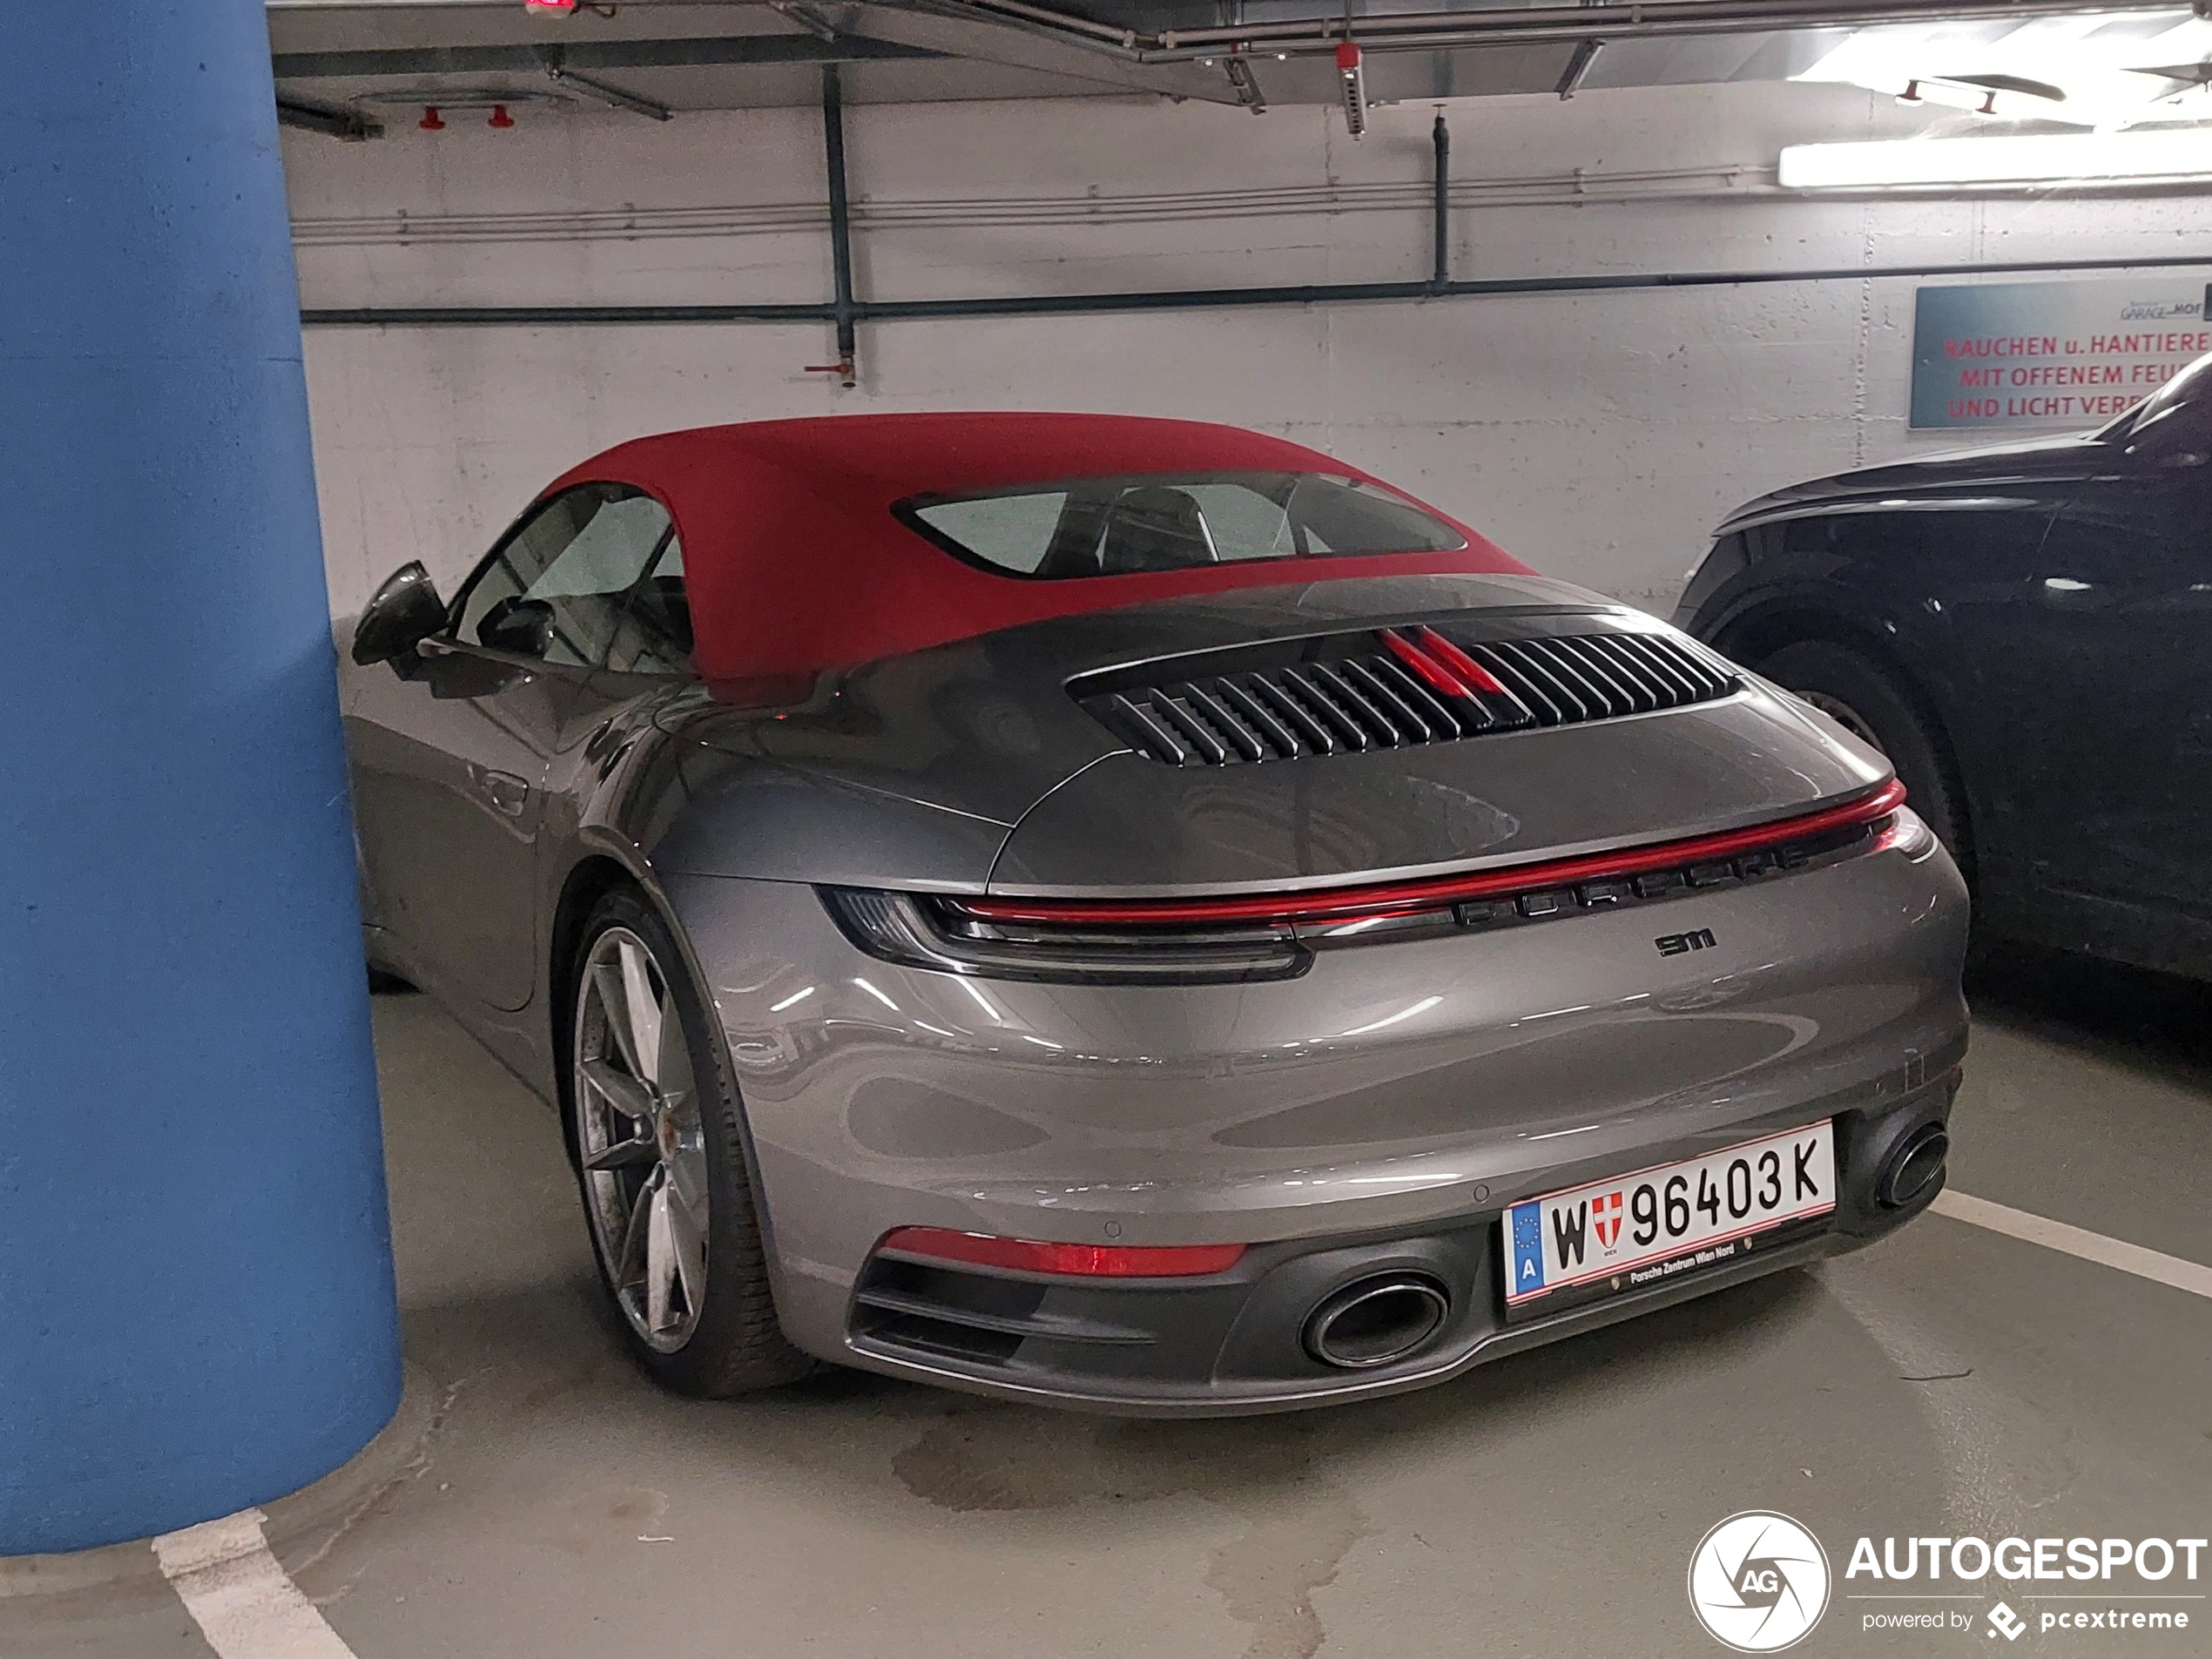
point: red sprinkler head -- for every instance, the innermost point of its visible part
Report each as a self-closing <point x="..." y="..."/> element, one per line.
<point x="432" y="121"/>
<point x="500" y="118"/>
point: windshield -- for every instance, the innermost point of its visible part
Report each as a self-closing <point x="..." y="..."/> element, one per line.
<point x="1116" y="526"/>
<point x="2191" y="388"/>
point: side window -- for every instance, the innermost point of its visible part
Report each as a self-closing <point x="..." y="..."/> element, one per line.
<point x="654" y="636"/>
<point x="559" y="586"/>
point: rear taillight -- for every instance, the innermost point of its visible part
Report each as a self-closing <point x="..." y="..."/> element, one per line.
<point x="1364" y="902"/>
<point x="1906" y="832"/>
<point x="1244" y="937"/>
<point x="924" y="930"/>
<point x="1036" y="1256"/>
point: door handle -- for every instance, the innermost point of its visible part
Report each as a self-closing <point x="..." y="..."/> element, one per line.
<point x="506" y="792"/>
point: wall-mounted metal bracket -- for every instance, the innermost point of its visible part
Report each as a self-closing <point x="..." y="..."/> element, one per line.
<point x="1245" y="83"/>
<point x="333" y="120"/>
<point x="558" y="72"/>
<point x="1570" y="78"/>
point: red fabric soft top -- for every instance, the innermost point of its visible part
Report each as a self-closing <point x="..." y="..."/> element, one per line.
<point x="794" y="563"/>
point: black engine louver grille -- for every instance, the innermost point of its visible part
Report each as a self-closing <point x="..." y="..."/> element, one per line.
<point x="1374" y="699"/>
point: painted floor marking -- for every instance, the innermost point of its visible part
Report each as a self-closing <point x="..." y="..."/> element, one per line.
<point x="243" y="1600"/>
<point x="2074" y="1241"/>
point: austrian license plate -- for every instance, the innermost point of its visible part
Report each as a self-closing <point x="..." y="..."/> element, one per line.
<point x="1636" y="1231"/>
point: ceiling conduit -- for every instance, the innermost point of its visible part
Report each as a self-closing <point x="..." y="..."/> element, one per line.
<point x="1511" y="25"/>
<point x="846" y="310"/>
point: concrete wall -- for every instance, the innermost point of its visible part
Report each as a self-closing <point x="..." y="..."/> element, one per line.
<point x="1599" y="436"/>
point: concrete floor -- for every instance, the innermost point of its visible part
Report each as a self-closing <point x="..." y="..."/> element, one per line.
<point x="1949" y="1381"/>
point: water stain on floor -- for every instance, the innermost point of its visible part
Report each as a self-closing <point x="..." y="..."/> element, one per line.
<point x="1301" y="1526"/>
<point x="1267" y="1577"/>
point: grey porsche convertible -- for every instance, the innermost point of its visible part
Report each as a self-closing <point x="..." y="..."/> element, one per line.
<point x="1136" y="914"/>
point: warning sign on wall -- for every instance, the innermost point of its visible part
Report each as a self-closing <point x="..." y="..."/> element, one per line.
<point x="2052" y="354"/>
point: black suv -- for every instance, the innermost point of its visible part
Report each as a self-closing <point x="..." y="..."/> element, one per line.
<point x="2027" y="631"/>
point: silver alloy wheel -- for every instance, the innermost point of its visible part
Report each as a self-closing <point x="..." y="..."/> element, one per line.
<point x="639" y="1135"/>
<point x="1844" y="716"/>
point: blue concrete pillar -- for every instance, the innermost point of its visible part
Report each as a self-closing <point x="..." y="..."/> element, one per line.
<point x="196" y="1304"/>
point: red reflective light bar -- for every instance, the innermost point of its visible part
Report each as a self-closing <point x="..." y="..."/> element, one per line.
<point x="1458" y="662"/>
<point x="1436" y="892"/>
<point x="1426" y="667"/>
<point x="1089" y="1261"/>
<point x="1442" y="664"/>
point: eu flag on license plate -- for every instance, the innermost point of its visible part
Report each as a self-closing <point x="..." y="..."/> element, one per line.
<point x="1527" y="1248"/>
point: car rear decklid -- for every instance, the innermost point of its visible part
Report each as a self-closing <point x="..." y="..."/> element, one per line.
<point x="1348" y="731"/>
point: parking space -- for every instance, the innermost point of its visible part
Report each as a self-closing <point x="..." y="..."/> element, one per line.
<point x="1148" y="707"/>
<point x="1950" y="1382"/>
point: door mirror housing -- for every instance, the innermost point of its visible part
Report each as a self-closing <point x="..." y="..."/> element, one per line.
<point x="405" y="612"/>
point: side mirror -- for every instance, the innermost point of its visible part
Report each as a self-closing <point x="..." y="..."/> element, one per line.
<point x="524" y="626"/>
<point x="406" y="611"/>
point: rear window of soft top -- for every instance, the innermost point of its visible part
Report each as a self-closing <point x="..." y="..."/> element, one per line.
<point x="1122" y="525"/>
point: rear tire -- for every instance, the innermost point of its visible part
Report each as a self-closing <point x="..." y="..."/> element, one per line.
<point x="658" y="1141"/>
<point x="1860" y="695"/>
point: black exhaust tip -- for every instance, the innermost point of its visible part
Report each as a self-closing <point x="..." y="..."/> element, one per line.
<point x="1376" y="1320"/>
<point x="1915" y="1167"/>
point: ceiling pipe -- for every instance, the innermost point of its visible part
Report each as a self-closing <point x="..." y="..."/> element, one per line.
<point x="843" y="308"/>
<point x="1509" y="25"/>
<point x="1059" y="23"/>
<point x="596" y="55"/>
<point x="1439" y="280"/>
<point x="843" y="311"/>
<point x="1067" y="305"/>
<point x="1537" y="24"/>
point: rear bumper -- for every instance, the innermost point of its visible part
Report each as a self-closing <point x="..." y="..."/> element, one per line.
<point x="1390" y="1104"/>
<point x="1232" y="1345"/>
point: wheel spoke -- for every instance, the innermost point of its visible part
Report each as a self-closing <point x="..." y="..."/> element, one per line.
<point x="688" y="1242"/>
<point x="626" y="1094"/>
<point x="687" y="1175"/>
<point x="633" y="1234"/>
<point x="631" y="1154"/>
<point x="638" y="1112"/>
<point x="660" y="1258"/>
<point x="670" y="1062"/>
<point x="607" y="979"/>
<point x="643" y="1012"/>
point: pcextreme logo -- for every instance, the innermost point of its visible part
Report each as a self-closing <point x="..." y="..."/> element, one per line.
<point x="2115" y="1584"/>
<point x="1758" y="1581"/>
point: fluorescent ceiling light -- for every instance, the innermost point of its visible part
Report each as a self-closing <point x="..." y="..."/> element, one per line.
<point x="2106" y="72"/>
<point x="2089" y="158"/>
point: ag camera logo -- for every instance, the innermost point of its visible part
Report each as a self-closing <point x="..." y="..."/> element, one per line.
<point x="1758" y="1581"/>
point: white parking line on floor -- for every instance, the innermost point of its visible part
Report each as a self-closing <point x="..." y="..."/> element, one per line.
<point x="243" y="1600"/>
<point x="2074" y="1241"/>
